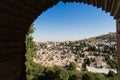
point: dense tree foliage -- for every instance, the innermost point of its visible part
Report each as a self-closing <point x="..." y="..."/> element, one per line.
<point x="87" y="61"/>
<point x="30" y="51"/>
<point x="111" y="62"/>
<point x="73" y="66"/>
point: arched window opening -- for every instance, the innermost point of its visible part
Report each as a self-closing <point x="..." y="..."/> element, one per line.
<point x="73" y="37"/>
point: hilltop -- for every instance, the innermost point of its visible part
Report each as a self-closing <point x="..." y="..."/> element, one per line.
<point x="109" y="37"/>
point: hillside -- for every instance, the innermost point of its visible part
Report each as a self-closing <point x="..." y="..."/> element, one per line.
<point x="110" y="37"/>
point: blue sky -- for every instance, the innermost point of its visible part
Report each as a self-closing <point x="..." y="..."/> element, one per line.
<point x="72" y="21"/>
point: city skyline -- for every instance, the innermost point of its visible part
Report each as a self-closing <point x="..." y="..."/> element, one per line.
<point x="72" y="21"/>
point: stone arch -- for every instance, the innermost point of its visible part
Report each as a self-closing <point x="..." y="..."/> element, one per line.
<point x="15" y="19"/>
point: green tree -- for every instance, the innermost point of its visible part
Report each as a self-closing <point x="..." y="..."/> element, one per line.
<point x="112" y="63"/>
<point x="111" y="73"/>
<point x="49" y="73"/>
<point x="30" y="52"/>
<point x="112" y="76"/>
<point x="87" y="61"/>
<point x="99" y="77"/>
<point x="88" y="76"/>
<point x="72" y="66"/>
<point x="30" y="45"/>
<point x="84" y="67"/>
<point x="57" y="71"/>
<point x="63" y="75"/>
<point x="73" y="75"/>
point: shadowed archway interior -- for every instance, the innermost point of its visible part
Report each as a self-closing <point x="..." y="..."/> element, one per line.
<point x="15" y="18"/>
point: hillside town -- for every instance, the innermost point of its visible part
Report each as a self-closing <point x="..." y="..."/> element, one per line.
<point x="96" y="54"/>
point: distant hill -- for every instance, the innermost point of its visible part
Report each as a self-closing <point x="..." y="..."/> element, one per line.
<point x="110" y="37"/>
